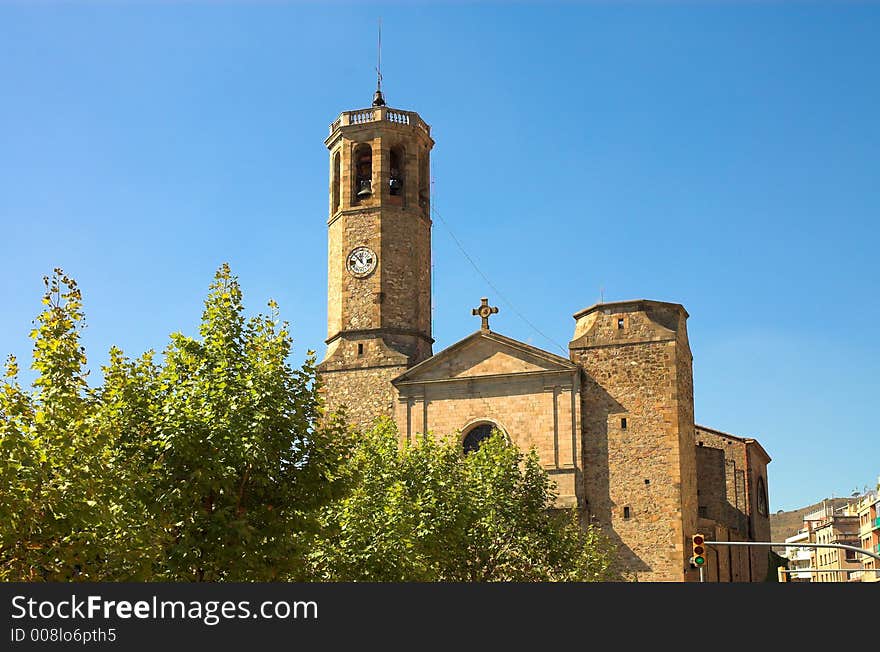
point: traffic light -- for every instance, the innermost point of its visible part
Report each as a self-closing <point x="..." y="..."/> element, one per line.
<point x="699" y="558"/>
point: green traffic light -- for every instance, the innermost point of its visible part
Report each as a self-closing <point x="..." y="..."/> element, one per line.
<point x="699" y="561"/>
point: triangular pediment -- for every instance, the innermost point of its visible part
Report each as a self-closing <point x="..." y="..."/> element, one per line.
<point x="485" y="353"/>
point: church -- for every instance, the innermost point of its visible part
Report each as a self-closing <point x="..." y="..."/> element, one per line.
<point x="613" y="423"/>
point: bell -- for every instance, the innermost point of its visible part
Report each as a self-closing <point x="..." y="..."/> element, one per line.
<point x="365" y="189"/>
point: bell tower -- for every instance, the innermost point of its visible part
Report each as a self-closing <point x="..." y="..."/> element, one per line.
<point x="379" y="257"/>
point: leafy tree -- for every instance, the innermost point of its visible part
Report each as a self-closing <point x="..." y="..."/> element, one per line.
<point x="54" y="519"/>
<point x="208" y="465"/>
<point x="215" y="462"/>
<point x="427" y="512"/>
<point x="238" y="454"/>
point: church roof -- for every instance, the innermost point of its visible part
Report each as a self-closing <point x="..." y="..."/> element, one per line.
<point x="469" y="358"/>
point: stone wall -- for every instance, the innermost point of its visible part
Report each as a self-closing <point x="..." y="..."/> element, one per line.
<point x="726" y="563"/>
<point x="482" y="381"/>
<point x="732" y="509"/>
<point x="639" y="477"/>
<point x="712" y="481"/>
<point x="378" y="325"/>
<point x="684" y="396"/>
<point x="736" y="510"/>
<point x="364" y="393"/>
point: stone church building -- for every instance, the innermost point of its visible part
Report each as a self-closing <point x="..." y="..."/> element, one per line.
<point x="613" y="423"/>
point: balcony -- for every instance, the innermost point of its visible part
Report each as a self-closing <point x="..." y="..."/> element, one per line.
<point x="877" y="523"/>
<point x="378" y="114"/>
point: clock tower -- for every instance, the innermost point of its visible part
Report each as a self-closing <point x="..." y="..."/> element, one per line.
<point x="379" y="257"/>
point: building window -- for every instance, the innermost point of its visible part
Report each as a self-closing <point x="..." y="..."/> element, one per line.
<point x="620" y="323"/>
<point x="762" y="498"/>
<point x="336" y="176"/>
<point x="623" y="423"/>
<point x="395" y="177"/>
<point x="363" y="172"/>
<point x="703" y="511"/>
<point x="626" y="513"/>
<point x="476" y="436"/>
<point x="360" y="348"/>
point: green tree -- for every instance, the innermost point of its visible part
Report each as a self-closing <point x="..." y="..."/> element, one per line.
<point x="55" y="521"/>
<point x="238" y="453"/>
<point x="210" y="464"/>
<point x="427" y="512"/>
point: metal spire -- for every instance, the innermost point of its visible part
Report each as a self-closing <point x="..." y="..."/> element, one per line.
<point x="378" y="100"/>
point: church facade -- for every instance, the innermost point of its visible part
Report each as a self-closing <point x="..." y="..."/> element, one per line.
<point x="613" y="423"/>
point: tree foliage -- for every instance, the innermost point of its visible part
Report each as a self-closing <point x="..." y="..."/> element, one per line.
<point x="207" y="465"/>
<point x="52" y="460"/>
<point x="427" y="512"/>
<point x="215" y="461"/>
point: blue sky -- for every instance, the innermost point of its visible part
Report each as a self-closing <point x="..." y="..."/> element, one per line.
<point x="724" y="156"/>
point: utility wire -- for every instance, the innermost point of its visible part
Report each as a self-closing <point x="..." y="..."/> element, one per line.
<point x="493" y="286"/>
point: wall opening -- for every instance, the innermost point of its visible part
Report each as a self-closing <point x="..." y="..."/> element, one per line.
<point x="620" y="323"/>
<point x="623" y="423"/>
<point x="626" y="513"/>
<point x="477" y="435"/>
<point x="337" y="171"/>
<point x="395" y="176"/>
<point x="360" y="348"/>
<point x="763" y="507"/>
<point x="363" y="173"/>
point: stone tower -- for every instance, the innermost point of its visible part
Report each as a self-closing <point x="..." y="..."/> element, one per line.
<point x="379" y="257"/>
<point x="640" y="475"/>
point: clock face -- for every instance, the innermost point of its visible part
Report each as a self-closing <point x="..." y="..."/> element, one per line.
<point x="361" y="261"/>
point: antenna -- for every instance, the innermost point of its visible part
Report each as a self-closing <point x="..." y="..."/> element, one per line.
<point x="378" y="100"/>
<point x="379" y="58"/>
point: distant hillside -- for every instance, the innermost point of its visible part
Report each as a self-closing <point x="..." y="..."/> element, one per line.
<point x="786" y="524"/>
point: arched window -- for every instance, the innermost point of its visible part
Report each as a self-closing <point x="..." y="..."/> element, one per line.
<point x="395" y="177"/>
<point x="363" y="172"/>
<point x="476" y="436"/>
<point x="763" y="508"/>
<point x="336" y="175"/>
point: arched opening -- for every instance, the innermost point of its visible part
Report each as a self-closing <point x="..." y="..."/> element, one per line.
<point x="763" y="507"/>
<point x="337" y="173"/>
<point x="477" y="435"/>
<point x="395" y="177"/>
<point x="363" y="173"/>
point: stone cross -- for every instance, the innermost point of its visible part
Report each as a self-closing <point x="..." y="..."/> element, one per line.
<point x="484" y="311"/>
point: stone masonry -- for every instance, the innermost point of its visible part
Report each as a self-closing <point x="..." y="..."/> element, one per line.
<point x="613" y="424"/>
<point x="378" y="323"/>
<point x="639" y="469"/>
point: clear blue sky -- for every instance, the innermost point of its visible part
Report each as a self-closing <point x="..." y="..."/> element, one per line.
<point x="720" y="155"/>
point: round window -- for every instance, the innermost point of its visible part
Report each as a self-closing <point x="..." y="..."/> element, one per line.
<point x="476" y="436"/>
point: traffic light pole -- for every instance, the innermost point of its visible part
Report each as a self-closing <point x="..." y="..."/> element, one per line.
<point x="772" y="544"/>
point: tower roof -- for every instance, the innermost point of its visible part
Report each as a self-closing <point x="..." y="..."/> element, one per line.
<point x="631" y="304"/>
